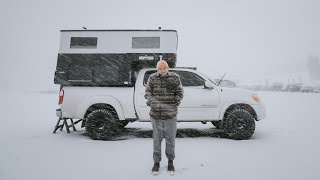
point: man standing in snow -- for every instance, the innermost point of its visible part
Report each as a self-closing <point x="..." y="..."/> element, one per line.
<point x="164" y="93"/>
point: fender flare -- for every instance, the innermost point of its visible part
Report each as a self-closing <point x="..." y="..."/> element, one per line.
<point x="109" y="100"/>
<point x="231" y="102"/>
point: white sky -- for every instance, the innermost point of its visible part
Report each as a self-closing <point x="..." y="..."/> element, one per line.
<point x="247" y="39"/>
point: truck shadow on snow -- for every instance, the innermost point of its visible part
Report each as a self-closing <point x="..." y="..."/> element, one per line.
<point x="130" y="133"/>
<point x="181" y="133"/>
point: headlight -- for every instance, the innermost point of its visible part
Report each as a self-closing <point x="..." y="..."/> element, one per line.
<point x="256" y="98"/>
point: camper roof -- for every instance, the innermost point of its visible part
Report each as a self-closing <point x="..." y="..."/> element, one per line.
<point x="118" y="41"/>
<point x="117" y="30"/>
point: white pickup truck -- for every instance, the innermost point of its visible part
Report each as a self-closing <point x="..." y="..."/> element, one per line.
<point x="106" y="108"/>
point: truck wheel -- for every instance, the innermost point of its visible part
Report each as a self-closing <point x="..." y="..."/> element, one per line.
<point x="102" y="125"/>
<point x="217" y="124"/>
<point x="239" y="124"/>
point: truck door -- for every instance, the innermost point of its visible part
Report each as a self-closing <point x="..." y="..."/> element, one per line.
<point x="140" y="102"/>
<point x="198" y="103"/>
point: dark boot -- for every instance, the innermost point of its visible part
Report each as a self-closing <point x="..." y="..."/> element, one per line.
<point x="170" y="166"/>
<point x="155" y="168"/>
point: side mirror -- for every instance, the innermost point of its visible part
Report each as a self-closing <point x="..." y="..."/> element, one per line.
<point x="227" y="83"/>
<point x="208" y="85"/>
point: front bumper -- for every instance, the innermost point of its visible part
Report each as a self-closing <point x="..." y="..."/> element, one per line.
<point x="260" y="109"/>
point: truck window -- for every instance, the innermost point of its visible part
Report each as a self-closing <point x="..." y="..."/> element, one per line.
<point x="146" y="76"/>
<point x="190" y="79"/>
<point x="187" y="78"/>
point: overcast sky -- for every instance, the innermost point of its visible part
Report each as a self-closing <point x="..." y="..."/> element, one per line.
<point x="247" y="39"/>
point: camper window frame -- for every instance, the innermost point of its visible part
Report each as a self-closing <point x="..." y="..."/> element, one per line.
<point x="73" y="44"/>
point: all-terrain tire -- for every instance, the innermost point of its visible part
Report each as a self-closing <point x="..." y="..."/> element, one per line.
<point x="101" y="124"/>
<point x="239" y="124"/>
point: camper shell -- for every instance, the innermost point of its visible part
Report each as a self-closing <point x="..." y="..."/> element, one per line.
<point x="111" y="57"/>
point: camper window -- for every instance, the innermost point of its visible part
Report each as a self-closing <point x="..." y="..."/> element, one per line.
<point x="83" y="42"/>
<point x="145" y="42"/>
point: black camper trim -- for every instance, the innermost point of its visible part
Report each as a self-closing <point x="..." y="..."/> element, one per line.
<point x="114" y="70"/>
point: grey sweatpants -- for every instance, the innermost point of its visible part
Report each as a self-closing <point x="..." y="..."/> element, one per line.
<point x="166" y="129"/>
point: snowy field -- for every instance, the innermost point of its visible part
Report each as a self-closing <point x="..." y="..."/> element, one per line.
<point x="285" y="146"/>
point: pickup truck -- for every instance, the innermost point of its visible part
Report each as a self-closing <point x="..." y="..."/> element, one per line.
<point x="105" y="110"/>
<point x="102" y="76"/>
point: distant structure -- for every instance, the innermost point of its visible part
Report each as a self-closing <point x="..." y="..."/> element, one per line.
<point x="314" y="67"/>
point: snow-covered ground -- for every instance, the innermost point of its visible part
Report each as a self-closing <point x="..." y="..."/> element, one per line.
<point x="285" y="145"/>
